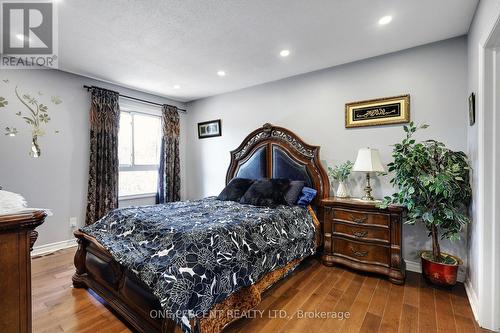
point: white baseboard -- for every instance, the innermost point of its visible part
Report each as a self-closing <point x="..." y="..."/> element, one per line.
<point x="52" y="247"/>
<point x="473" y="300"/>
<point x="414" y="266"/>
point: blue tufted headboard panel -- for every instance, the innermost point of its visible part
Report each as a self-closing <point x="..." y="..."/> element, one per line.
<point x="283" y="166"/>
<point x="276" y="152"/>
<point x="255" y="166"/>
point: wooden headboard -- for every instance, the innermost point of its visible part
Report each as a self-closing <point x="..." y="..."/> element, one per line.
<point x="276" y="152"/>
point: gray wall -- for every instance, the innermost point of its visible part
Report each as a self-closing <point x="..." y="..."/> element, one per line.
<point x="58" y="179"/>
<point x="312" y="105"/>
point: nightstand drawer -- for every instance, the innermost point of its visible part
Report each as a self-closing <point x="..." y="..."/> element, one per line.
<point x="373" y="254"/>
<point x="362" y="236"/>
<point x="361" y="217"/>
<point x="361" y="232"/>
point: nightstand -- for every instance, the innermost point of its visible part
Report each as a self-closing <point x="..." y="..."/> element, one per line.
<point x="361" y="236"/>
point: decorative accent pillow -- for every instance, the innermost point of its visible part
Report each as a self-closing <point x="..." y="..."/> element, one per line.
<point x="307" y="196"/>
<point x="235" y="189"/>
<point x="295" y="189"/>
<point x="267" y="192"/>
<point x="11" y="202"/>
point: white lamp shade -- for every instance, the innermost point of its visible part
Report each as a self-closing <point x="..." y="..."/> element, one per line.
<point x="368" y="160"/>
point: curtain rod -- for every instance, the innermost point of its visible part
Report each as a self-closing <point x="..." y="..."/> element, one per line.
<point x="132" y="98"/>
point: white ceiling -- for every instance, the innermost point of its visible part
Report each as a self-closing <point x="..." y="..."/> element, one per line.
<point x="153" y="45"/>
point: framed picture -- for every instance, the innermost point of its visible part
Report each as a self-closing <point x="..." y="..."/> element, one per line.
<point x="380" y="111"/>
<point x="209" y="129"/>
<point x="472" y="109"/>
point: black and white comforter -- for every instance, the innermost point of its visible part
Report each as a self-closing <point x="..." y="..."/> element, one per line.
<point x="193" y="254"/>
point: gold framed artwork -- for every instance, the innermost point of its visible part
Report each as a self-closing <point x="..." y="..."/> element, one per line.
<point x="380" y="111"/>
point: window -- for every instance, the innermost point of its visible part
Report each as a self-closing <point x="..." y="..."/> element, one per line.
<point x="139" y="141"/>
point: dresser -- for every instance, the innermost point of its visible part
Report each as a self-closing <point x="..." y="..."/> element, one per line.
<point x="361" y="236"/>
<point x="17" y="237"/>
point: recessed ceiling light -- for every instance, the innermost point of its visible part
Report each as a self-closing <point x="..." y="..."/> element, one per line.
<point x="285" y="53"/>
<point x="385" y="20"/>
<point x="221" y="73"/>
<point x="176" y="86"/>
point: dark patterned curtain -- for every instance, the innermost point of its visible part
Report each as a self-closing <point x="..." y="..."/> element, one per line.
<point x="103" y="168"/>
<point x="169" y="179"/>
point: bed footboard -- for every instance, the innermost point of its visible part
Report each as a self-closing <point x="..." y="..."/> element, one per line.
<point x="131" y="299"/>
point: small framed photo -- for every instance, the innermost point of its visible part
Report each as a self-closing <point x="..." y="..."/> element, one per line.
<point x="472" y="109"/>
<point x="209" y="129"/>
<point x="380" y="111"/>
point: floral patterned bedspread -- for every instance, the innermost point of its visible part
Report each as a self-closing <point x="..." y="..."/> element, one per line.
<point x="193" y="254"/>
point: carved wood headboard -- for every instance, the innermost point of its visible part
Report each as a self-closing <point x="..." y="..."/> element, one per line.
<point x="276" y="152"/>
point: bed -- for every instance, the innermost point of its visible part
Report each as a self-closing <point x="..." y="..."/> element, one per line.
<point x="115" y="268"/>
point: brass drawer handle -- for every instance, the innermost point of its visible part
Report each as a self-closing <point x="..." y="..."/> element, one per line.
<point x="360" y="219"/>
<point x="359" y="253"/>
<point x="360" y="234"/>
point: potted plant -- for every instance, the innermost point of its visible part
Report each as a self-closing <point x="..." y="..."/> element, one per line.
<point x="340" y="173"/>
<point x="434" y="186"/>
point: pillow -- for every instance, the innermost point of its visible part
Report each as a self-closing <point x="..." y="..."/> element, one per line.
<point x="235" y="189"/>
<point x="307" y="196"/>
<point x="295" y="189"/>
<point x="266" y="192"/>
<point x="11" y="202"/>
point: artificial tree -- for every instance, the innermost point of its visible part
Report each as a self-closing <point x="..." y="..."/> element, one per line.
<point x="434" y="186"/>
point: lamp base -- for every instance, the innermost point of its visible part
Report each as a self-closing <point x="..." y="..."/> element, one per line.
<point x="368" y="189"/>
<point x="367" y="198"/>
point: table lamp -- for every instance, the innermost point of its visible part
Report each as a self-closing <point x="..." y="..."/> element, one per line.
<point x="368" y="160"/>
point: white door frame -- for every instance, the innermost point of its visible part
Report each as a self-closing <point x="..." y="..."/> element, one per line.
<point x="488" y="107"/>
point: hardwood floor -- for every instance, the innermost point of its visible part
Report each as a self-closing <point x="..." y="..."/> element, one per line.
<point x="373" y="304"/>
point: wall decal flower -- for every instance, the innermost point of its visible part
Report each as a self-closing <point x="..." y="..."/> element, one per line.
<point x="11" y="131"/>
<point x="36" y="117"/>
<point x="56" y="100"/>
<point x="35" y="114"/>
<point x="3" y="102"/>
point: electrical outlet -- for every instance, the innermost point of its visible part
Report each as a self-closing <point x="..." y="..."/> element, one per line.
<point x="73" y="222"/>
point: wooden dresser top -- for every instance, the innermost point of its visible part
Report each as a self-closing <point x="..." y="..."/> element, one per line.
<point x="335" y="201"/>
<point x="29" y="219"/>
